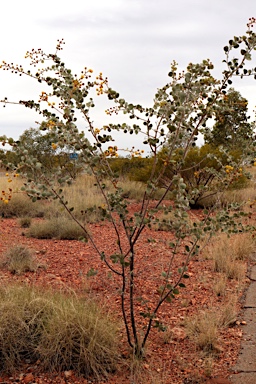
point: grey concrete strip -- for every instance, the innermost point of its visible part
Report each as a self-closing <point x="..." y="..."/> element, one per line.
<point x="253" y="273"/>
<point x="250" y="300"/>
<point x="249" y="329"/>
<point x="243" y="378"/>
<point x="246" y="362"/>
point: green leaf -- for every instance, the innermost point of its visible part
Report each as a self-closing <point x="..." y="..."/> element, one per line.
<point x="91" y="272"/>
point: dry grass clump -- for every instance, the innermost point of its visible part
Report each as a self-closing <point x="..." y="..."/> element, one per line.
<point x="60" y="228"/>
<point x="19" y="259"/>
<point x="203" y="330"/>
<point x="25" y="222"/>
<point x="241" y="194"/>
<point x="20" y="205"/>
<point x="62" y="331"/>
<point x="133" y="190"/>
<point x="220" y="284"/>
<point x="82" y="195"/>
<point x="78" y="336"/>
<point x="229" y="266"/>
<point x="204" y="327"/>
<point x="243" y="246"/>
<point x="228" y="313"/>
<point x="230" y="253"/>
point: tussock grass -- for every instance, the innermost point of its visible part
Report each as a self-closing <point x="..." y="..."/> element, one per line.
<point x="220" y="284"/>
<point x="203" y="330"/>
<point x="19" y="259"/>
<point x="63" y="331"/>
<point x="228" y="314"/>
<point x="60" y="228"/>
<point x="239" y="195"/>
<point x="230" y="253"/>
<point x="133" y="190"/>
<point x="20" y="205"/>
<point x="86" y="199"/>
<point x="25" y="222"/>
<point x="228" y="265"/>
<point x="83" y="195"/>
<point x="242" y="246"/>
<point x="204" y="327"/>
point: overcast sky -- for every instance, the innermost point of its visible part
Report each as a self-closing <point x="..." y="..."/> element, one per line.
<point x="132" y="42"/>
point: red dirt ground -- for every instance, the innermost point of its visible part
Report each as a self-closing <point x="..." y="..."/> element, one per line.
<point x="175" y="362"/>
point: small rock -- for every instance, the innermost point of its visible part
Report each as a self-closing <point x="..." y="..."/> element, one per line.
<point x="178" y="333"/>
<point x="68" y="374"/>
<point x="28" y="378"/>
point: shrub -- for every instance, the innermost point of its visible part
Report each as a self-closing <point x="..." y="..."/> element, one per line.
<point x="19" y="259"/>
<point x="181" y="110"/>
<point x="135" y="168"/>
<point x="204" y="171"/>
<point x="63" y="331"/>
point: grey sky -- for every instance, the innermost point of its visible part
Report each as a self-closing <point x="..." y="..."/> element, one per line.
<point x="132" y="42"/>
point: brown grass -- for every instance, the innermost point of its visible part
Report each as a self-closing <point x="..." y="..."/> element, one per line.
<point x="204" y="327"/>
<point x="229" y="254"/>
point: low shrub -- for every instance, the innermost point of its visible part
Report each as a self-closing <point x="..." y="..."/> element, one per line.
<point x="63" y="331"/>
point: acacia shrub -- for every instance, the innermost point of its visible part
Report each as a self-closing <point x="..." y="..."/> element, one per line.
<point x="180" y="111"/>
<point x="204" y="170"/>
